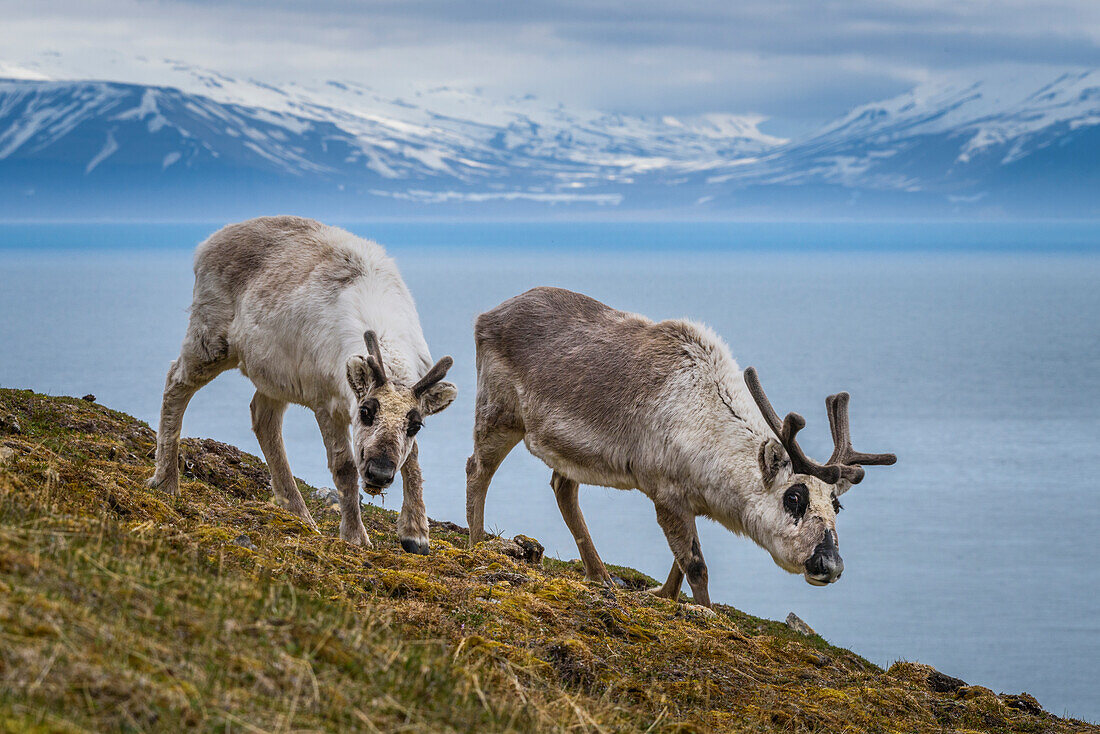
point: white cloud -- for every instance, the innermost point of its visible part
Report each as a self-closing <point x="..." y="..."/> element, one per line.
<point x="801" y="61"/>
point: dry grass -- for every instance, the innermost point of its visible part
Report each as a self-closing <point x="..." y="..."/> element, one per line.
<point x="122" y="609"/>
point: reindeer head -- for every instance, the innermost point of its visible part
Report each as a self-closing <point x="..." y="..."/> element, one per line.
<point x="797" y="516"/>
<point x="389" y="414"/>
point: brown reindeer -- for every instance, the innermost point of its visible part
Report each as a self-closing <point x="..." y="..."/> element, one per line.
<point x="614" y="399"/>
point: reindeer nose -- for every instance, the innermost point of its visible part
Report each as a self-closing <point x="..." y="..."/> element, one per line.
<point x="825" y="565"/>
<point x="380" y="472"/>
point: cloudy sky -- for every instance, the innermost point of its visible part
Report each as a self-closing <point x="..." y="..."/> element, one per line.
<point x="799" y="62"/>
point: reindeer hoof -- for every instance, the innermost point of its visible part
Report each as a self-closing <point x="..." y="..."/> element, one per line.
<point x="419" y="547"/>
<point x="308" y="520"/>
<point x="356" y="538"/>
<point x="600" y="581"/>
<point x="171" y="488"/>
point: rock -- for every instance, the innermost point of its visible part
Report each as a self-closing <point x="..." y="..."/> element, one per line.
<point x="507" y="547"/>
<point x="532" y="549"/>
<point x="6" y="454"/>
<point x="522" y="548"/>
<point x="330" y="497"/>
<point x="798" y="625"/>
<point x="943" y="683"/>
<point x="8" y="424"/>
<point x="1024" y="702"/>
<point x="89" y="398"/>
<point x="245" y="542"/>
<point x="447" y="525"/>
<point x="698" y="610"/>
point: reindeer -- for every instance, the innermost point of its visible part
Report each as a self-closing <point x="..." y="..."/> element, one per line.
<point x="292" y="304"/>
<point x="613" y="399"/>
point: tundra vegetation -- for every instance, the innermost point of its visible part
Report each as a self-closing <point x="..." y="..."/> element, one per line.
<point x="123" y="608"/>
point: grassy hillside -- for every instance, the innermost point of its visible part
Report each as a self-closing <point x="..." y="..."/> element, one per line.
<point x="123" y="609"/>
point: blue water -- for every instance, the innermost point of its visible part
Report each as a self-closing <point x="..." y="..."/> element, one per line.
<point x="972" y="351"/>
<point x="809" y="237"/>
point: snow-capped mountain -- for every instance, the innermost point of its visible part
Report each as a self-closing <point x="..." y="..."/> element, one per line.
<point x="1009" y="138"/>
<point x="169" y="139"/>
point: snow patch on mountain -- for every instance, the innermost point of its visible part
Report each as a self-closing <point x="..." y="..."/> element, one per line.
<point x="949" y="134"/>
<point x="109" y="148"/>
<point x="959" y="140"/>
<point x="1005" y="106"/>
<point x="147" y="109"/>
<point x="448" y="130"/>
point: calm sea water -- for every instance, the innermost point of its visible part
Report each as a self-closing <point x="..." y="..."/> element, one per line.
<point x="972" y="352"/>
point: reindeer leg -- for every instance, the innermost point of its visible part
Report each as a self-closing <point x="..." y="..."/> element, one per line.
<point x="341" y="463"/>
<point x="267" y="424"/>
<point x="186" y="376"/>
<point x="491" y="445"/>
<point x="683" y="539"/>
<point x="412" y="523"/>
<point x="566" y="491"/>
<point x="671" y="588"/>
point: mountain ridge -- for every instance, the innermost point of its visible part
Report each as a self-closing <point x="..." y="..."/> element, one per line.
<point x="1014" y="144"/>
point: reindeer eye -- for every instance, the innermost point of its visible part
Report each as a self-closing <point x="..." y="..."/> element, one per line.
<point x="837" y="507"/>
<point x="367" y="413"/>
<point x="795" y="500"/>
<point x="415" y="423"/>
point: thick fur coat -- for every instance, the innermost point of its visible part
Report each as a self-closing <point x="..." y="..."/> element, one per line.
<point x="615" y="399"/>
<point x="288" y="302"/>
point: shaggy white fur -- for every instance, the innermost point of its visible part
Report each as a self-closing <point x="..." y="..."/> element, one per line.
<point x="287" y="301"/>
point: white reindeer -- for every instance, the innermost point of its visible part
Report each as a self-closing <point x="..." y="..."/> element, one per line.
<point x="293" y="304"/>
<point x="613" y="399"/>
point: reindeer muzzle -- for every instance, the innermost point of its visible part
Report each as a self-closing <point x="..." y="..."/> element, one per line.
<point x="380" y="473"/>
<point x="825" y="565"/>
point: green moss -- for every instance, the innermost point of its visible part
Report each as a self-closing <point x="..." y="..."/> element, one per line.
<point x="123" y="609"/>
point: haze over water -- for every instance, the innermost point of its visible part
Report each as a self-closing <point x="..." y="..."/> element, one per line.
<point x="971" y="351"/>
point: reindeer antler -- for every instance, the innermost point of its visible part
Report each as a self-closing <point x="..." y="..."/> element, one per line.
<point x="850" y="461"/>
<point x="785" y="432"/>
<point x="435" y="374"/>
<point x="374" y="356"/>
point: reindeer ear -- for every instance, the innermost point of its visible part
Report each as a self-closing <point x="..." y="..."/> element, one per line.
<point x="771" y="458"/>
<point x="842" y="486"/>
<point x="434" y="394"/>
<point x="361" y="376"/>
<point x="437" y="397"/>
